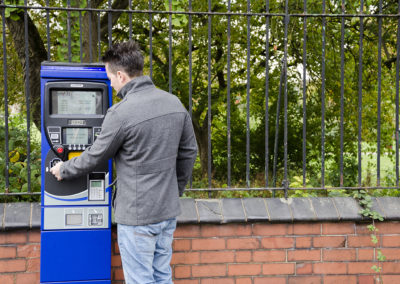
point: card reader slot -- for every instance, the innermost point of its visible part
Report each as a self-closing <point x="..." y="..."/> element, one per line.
<point x="54" y="162"/>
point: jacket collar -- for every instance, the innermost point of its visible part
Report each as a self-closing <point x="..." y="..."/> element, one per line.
<point x="135" y="85"/>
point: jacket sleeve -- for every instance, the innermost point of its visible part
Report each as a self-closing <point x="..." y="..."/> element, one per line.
<point x="187" y="153"/>
<point x="103" y="148"/>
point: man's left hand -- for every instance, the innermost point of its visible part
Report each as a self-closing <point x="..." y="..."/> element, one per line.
<point x="56" y="171"/>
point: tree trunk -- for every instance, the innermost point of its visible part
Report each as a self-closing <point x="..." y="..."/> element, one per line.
<point x="118" y="5"/>
<point x="201" y="133"/>
<point x="37" y="54"/>
<point x="90" y="39"/>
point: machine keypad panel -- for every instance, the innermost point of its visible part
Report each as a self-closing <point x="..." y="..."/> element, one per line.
<point x="84" y="217"/>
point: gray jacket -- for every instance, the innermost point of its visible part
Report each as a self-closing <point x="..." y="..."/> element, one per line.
<point x="150" y="136"/>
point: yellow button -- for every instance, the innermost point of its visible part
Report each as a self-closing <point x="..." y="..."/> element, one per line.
<point x="73" y="154"/>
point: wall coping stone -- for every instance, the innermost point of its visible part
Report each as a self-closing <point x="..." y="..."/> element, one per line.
<point x="15" y="216"/>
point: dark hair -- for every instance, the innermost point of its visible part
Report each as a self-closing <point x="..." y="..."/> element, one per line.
<point x="125" y="56"/>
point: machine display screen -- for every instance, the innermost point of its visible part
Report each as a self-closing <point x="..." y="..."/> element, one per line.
<point x="73" y="219"/>
<point x="78" y="102"/>
<point x="79" y="136"/>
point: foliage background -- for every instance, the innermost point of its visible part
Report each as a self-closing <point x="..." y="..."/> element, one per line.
<point x="70" y="40"/>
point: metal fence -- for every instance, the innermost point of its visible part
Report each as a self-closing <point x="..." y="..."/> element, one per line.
<point x="323" y="73"/>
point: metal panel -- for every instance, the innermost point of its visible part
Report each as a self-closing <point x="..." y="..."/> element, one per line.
<point x="75" y="255"/>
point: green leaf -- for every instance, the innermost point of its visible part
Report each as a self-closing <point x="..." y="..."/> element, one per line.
<point x="380" y="256"/>
<point x="14" y="17"/>
<point x="375" y="268"/>
<point x="176" y="22"/>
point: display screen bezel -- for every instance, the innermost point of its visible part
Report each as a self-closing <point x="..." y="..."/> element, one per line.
<point x="64" y="135"/>
<point x="53" y="100"/>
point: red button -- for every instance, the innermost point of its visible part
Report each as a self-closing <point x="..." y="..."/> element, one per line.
<point x="60" y="150"/>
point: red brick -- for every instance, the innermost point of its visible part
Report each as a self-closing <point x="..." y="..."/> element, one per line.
<point x="114" y="233"/>
<point x="217" y="257"/>
<point x="359" y="241"/>
<point x="270" y="229"/>
<point x="27" y="278"/>
<point x="186" y="281"/>
<point x="330" y="268"/>
<point x="244" y="269"/>
<point x="33" y="264"/>
<point x="243" y="281"/>
<point x="243" y="243"/>
<point x="277" y="242"/>
<point x="386" y="228"/>
<point x="303" y="242"/>
<point x="338" y="228"/>
<point x="362" y="229"/>
<point x="187" y="231"/>
<point x="329" y="242"/>
<point x="27" y="251"/>
<point x="306" y="229"/>
<point x="388" y="279"/>
<point x="8" y="251"/>
<point x="304" y="268"/>
<point x="118" y="274"/>
<point x="16" y="237"/>
<point x="182" y="245"/>
<point x="272" y="280"/>
<point x="225" y="230"/>
<point x="338" y="254"/>
<point x="34" y="237"/>
<point x="185" y="258"/>
<point x="366" y="279"/>
<point x="209" y="270"/>
<point x="391" y="253"/>
<point x="294" y="255"/>
<point x="243" y="256"/>
<point x="305" y="280"/>
<point x="269" y="255"/>
<point x="360" y="267"/>
<point x="116" y="261"/>
<point x="116" y="248"/>
<point x="391" y="241"/>
<point x="278" y="268"/>
<point x="15" y="265"/>
<point x="365" y="254"/>
<point x="391" y="267"/>
<point x="218" y="281"/>
<point x="346" y="279"/>
<point x="7" y="279"/>
<point x="182" y="271"/>
<point x="208" y="244"/>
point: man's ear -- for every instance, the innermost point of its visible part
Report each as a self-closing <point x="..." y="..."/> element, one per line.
<point x="122" y="77"/>
<point x="119" y="76"/>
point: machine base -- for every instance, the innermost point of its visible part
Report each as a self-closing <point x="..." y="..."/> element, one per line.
<point x="80" y="255"/>
<point x="80" y="282"/>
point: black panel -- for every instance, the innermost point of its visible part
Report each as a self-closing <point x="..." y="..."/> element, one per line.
<point x="66" y="187"/>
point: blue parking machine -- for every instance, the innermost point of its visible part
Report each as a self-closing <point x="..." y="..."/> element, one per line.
<point x="76" y="214"/>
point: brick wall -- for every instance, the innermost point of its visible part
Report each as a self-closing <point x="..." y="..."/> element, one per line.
<point x="19" y="256"/>
<point x="243" y="254"/>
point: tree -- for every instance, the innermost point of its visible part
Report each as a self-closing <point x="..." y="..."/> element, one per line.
<point x="94" y="22"/>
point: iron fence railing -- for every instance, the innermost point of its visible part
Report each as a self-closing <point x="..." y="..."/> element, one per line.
<point x="294" y="41"/>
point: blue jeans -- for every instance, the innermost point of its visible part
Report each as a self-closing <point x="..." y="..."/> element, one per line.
<point x="146" y="252"/>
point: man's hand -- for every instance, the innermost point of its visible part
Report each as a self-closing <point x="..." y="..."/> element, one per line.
<point x="56" y="171"/>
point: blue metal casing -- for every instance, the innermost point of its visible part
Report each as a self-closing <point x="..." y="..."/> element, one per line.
<point x="80" y="256"/>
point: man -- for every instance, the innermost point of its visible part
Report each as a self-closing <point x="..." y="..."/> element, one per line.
<point x="150" y="135"/>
